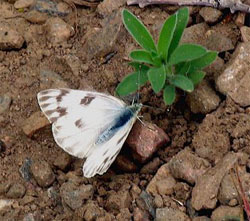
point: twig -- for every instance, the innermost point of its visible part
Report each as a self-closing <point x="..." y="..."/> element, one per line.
<point x="234" y="5"/>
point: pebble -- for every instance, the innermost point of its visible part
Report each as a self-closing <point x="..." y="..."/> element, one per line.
<point x="145" y="140"/>
<point x="21" y="4"/>
<point x="125" y="164"/>
<point x="106" y="7"/>
<point x="245" y="33"/>
<point x="58" y="31"/>
<point x="75" y="196"/>
<point x="5" y="101"/>
<point x="222" y="212"/>
<point x="35" y="122"/>
<point x="4" y="187"/>
<point x="151" y="167"/>
<point x="10" y="38"/>
<point x="63" y="161"/>
<point x="25" y="169"/>
<point x="140" y="215"/>
<point x="234" y="81"/>
<point x="42" y="173"/>
<point x="5" y="203"/>
<point x="36" y="17"/>
<point x="16" y="190"/>
<point x="170" y="214"/>
<point x="210" y="15"/>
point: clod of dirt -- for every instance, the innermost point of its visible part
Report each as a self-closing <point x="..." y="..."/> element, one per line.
<point x="42" y="173"/>
<point x="170" y="214"/>
<point x="234" y="81"/>
<point x="36" y="17"/>
<point x="16" y="190"/>
<point x="124" y="215"/>
<point x="146" y="140"/>
<point x="210" y="181"/>
<point x="58" y="31"/>
<point x="9" y="37"/>
<point x="203" y="99"/>
<point x="139" y="215"/>
<point x="35" y="122"/>
<point x="75" y="196"/>
<point x="222" y="212"/>
<point x="187" y="166"/>
<point x="108" y="6"/>
<point x="210" y="15"/>
<point x="63" y="161"/>
<point x="21" y="4"/>
<point x="5" y="101"/>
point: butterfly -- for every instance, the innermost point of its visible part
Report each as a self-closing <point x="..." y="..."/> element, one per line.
<point x="88" y="125"/>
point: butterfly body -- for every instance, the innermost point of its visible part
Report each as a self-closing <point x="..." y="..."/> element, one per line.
<point x="88" y="125"/>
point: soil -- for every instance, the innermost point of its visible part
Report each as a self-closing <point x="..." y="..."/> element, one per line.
<point x="226" y="130"/>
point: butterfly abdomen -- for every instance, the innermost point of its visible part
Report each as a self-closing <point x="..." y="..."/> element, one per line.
<point x="119" y="122"/>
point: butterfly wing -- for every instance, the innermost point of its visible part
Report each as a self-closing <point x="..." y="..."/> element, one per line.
<point x="78" y="117"/>
<point x="104" y="155"/>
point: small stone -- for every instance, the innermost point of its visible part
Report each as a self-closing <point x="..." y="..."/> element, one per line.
<point x="54" y="195"/>
<point x="42" y="173"/>
<point x="5" y="102"/>
<point x="240" y="19"/>
<point x="203" y="99"/>
<point x="63" y="8"/>
<point x="16" y="190"/>
<point x="124" y="215"/>
<point x="5" y="203"/>
<point x="139" y="215"/>
<point x="148" y="202"/>
<point x="58" y="31"/>
<point x="187" y="166"/>
<point x="145" y="140"/>
<point x="151" y="167"/>
<point x="90" y="211"/>
<point x="234" y="81"/>
<point x="106" y="7"/>
<point x="75" y="196"/>
<point x="36" y="17"/>
<point x="166" y="186"/>
<point x="245" y="33"/>
<point x="4" y="187"/>
<point x="35" y="122"/>
<point x="25" y="169"/>
<point x="210" y="15"/>
<point x="9" y="38"/>
<point x="158" y="201"/>
<point x="124" y="164"/>
<point x="63" y="161"/>
<point x="21" y="4"/>
<point x="222" y="212"/>
<point x="118" y="201"/>
<point x="170" y="214"/>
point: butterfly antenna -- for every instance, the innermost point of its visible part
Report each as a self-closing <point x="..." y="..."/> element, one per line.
<point x="138" y="85"/>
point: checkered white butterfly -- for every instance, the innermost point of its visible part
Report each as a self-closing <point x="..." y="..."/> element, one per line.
<point x="88" y="125"/>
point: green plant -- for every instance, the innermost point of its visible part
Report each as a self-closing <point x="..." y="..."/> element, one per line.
<point x="167" y="64"/>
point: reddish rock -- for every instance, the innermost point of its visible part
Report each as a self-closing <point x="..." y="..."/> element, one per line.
<point x="145" y="140"/>
<point x="139" y="215"/>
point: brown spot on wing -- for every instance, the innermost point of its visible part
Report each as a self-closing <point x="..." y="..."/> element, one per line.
<point x="44" y="92"/>
<point x="79" y="123"/>
<point x="44" y="98"/>
<point x="87" y="100"/>
<point x="45" y="105"/>
<point x="62" y="111"/>
<point x="53" y="119"/>
<point x="63" y="92"/>
<point x="120" y="140"/>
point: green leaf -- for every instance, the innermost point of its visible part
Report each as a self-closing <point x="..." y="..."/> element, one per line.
<point x="139" y="32"/>
<point x="157" y="78"/>
<point x="141" y="56"/>
<point x="169" y="94"/>
<point x="203" y="61"/>
<point x="182" y="20"/>
<point x="182" y="68"/>
<point x="182" y="82"/>
<point x="130" y="83"/>
<point x="187" y="52"/>
<point x="196" y="77"/>
<point x="166" y="36"/>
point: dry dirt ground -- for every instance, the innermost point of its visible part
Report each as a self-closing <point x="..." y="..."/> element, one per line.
<point x="188" y="178"/>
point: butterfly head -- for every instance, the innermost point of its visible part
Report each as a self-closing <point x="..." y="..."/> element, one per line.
<point x="135" y="108"/>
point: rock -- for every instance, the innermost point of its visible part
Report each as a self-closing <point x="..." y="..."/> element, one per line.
<point x="203" y="99"/>
<point x="187" y="166"/>
<point x="4" y="187"/>
<point x="210" y="181"/>
<point x="75" y="196"/>
<point x="124" y="215"/>
<point x="139" y="215"/>
<point x="50" y="79"/>
<point x="5" y="203"/>
<point x="215" y="69"/>
<point x="234" y="81"/>
<point x="25" y="169"/>
<point x="245" y="33"/>
<point x="58" y="31"/>
<point x="222" y="212"/>
<point x="118" y="201"/>
<point x="9" y="38"/>
<point x="145" y="140"/>
<point x="182" y="191"/>
<point x="54" y="195"/>
<point x="211" y="141"/>
<point x="36" y="17"/>
<point x="106" y="7"/>
<point x="166" y="186"/>
<point x="16" y="190"/>
<point x="63" y="161"/>
<point x="227" y="192"/>
<point x="21" y="4"/>
<point x="148" y="202"/>
<point x="35" y="122"/>
<point x="99" y="42"/>
<point x="5" y="101"/>
<point x="42" y="173"/>
<point x="6" y="9"/>
<point x="240" y="19"/>
<point x="170" y="214"/>
<point x="151" y="167"/>
<point x="210" y="15"/>
<point x="124" y="164"/>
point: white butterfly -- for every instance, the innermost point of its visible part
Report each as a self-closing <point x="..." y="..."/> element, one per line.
<point x="88" y="125"/>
